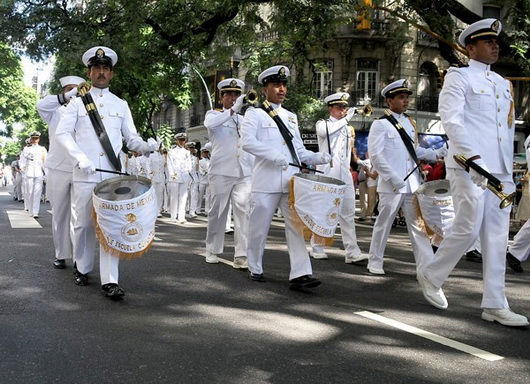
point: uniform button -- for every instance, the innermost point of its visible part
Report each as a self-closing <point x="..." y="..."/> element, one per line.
<point x="497" y="96"/>
<point x="500" y="125"/>
<point x="283" y="143"/>
<point x="500" y="138"/>
<point x="102" y="153"/>
<point x="101" y="105"/>
<point x="100" y="95"/>
<point x="487" y="73"/>
<point x="101" y="117"/>
<point x="481" y="91"/>
<point x="498" y="109"/>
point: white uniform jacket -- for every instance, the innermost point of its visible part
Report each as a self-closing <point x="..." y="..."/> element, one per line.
<point x="50" y="110"/>
<point x="390" y="157"/>
<point x="474" y="106"/>
<point x="157" y="164"/>
<point x="204" y="166"/>
<point x="227" y="157"/>
<point x="341" y="137"/>
<point x="33" y="158"/>
<point x="261" y="137"/>
<point x="119" y="125"/>
<point x="179" y="165"/>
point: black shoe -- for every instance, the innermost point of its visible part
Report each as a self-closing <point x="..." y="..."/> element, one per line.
<point x="474" y="256"/>
<point x="59" y="264"/>
<point x="514" y="263"/>
<point x="304" y="282"/>
<point x="114" y="291"/>
<point x="256" y="277"/>
<point x="80" y="278"/>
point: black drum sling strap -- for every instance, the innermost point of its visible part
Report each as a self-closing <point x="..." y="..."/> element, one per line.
<point x="99" y="128"/>
<point x="284" y="131"/>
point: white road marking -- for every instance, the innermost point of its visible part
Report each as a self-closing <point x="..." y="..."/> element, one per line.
<point x="3" y="193"/>
<point x="431" y="336"/>
<point x="21" y="219"/>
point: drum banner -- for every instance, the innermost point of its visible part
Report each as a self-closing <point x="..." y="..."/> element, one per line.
<point x="314" y="208"/>
<point x="126" y="228"/>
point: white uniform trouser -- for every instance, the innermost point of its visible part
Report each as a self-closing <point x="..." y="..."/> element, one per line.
<point x="177" y="202"/>
<point x="17" y="187"/>
<point x="347" y="225"/>
<point x="167" y="197"/>
<point x="520" y="247"/>
<point x="85" y="237"/>
<point x="159" y="193"/>
<point x="34" y="194"/>
<point x="60" y="195"/>
<point x="225" y="190"/>
<point x="262" y="208"/>
<point x="204" y="192"/>
<point x="477" y="213"/>
<point x="389" y="204"/>
<point x="194" y="198"/>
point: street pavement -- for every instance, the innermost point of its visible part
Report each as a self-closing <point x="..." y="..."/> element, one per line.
<point x="185" y="321"/>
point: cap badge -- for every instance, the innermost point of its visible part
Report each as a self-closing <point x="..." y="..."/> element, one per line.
<point x="344" y="97"/>
<point x="233" y="83"/>
<point x="405" y="84"/>
<point x="495" y="26"/>
<point x="100" y="53"/>
<point x="282" y="71"/>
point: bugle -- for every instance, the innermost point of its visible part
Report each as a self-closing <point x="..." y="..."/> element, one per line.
<point x="251" y="97"/>
<point x="494" y="184"/>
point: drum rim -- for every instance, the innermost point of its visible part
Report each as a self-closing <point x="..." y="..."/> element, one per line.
<point x="421" y="188"/>
<point x="105" y="182"/>
<point x="318" y="178"/>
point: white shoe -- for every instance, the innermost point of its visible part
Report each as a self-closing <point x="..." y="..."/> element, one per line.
<point x="355" y="259"/>
<point x="505" y="317"/>
<point x="240" y="262"/>
<point x="211" y="258"/>
<point x="376" y="270"/>
<point x="317" y="255"/>
<point x="435" y="296"/>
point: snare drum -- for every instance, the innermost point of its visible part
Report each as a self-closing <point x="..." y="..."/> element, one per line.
<point x="125" y="211"/>
<point x="436" y="204"/>
<point x="315" y="202"/>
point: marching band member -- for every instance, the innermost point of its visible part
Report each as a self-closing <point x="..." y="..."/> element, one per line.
<point x="17" y="179"/>
<point x="24" y="183"/>
<point x="157" y="175"/>
<point x="229" y="174"/>
<point x="59" y="167"/>
<point x="178" y="168"/>
<point x="261" y="136"/>
<point x="35" y="157"/>
<point x="395" y="157"/>
<point x="77" y="135"/>
<point x="337" y="136"/>
<point x="204" y="185"/>
<point x="476" y="113"/>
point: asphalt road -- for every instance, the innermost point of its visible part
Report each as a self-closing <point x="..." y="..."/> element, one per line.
<point x="185" y="321"/>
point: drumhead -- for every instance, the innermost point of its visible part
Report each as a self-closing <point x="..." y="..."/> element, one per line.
<point x="320" y="178"/>
<point x="436" y="188"/>
<point x="122" y="188"/>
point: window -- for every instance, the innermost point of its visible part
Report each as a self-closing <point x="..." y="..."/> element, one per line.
<point x="323" y="77"/>
<point x="367" y="78"/>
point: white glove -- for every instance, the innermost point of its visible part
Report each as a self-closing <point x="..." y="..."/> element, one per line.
<point x="322" y="158"/>
<point x="238" y="104"/>
<point x="281" y="161"/>
<point x="397" y="182"/>
<point x="442" y="151"/>
<point x="350" y="113"/>
<point x="86" y="166"/>
<point x="71" y="93"/>
<point x="153" y="145"/>
<point x="476" y="177"/>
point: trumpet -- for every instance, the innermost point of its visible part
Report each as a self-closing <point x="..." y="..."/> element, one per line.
<point x="366" y="111"/>
<point x="494" y="184"/>
<point x="251" y="97"/>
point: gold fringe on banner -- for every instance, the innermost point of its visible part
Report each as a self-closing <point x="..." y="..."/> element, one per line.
<point x="420" y="221"/>
<point x="299" y="225"/>
<point x="114" y="252"/>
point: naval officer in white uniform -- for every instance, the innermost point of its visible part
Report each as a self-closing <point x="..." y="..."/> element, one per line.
<point x="59" y="167"/>
<point x="76" y="134"/>
<point x="393" y="162"/>
<point x="341" y="144"/>
<point x="178" y="164"/>
<point x="271" y="175"/>
<point x="477" y="114"/>
<point x="35" y="157"/>
<point x="229" y="174"/>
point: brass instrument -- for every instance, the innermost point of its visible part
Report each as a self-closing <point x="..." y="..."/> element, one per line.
<point x="251" y="97"/>
<point x="494" y="185"/>
<point x="366" y="111"/>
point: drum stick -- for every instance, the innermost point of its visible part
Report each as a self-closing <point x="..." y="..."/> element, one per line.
<point x="114" y="172"/>
<point x="307" y="168"/>
<point x="411" y="172"/>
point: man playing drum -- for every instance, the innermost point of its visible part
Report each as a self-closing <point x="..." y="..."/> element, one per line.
<point x="261" y="136"/>
<point x="477" y="114"/>
<point x="77" y="135"/>
<point x="337" y="136"/>
<point x="393" y="157"/>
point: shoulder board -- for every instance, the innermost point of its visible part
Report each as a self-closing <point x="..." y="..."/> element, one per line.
<point x="218" y="109"/>
<point x="383" y="117"/>
<point x="459" y="65"/>
<point x="287" y="109"/>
